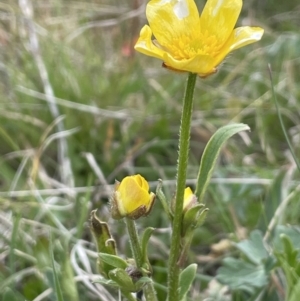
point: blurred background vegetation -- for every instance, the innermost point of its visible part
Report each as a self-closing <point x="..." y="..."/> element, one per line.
<point x="80" y="108"/>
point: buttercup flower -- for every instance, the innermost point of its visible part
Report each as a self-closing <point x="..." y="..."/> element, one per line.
<point x="189" y="199"/>
<point x="187" y="42"/>
<point x="131" y="198"/>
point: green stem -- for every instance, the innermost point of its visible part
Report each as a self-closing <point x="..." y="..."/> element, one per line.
<point x="136" y="250"/>
<point x="128" y="295"/>
<point x="183" y="153"/>
<point x="134" y="242"/>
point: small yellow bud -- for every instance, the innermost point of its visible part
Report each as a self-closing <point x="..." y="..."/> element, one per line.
<point x="131" y="198"/>
<point x="189" y="199"/>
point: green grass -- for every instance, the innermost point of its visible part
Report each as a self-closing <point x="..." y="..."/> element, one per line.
<point x="43" y="220"/>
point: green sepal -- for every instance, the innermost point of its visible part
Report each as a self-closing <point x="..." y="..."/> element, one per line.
<point x="144" y="243"/>
<point x="141" y="282"/>
<point x="191" y="216"/>
<point x="210" y="155"/>
<point x="186" y="279"/>
<point x="113" y="260"/>
<point x="163" y="200"/>
<point x="123" y="280"/>
<point x="137" y="286"/>
<point x="202" y="217"/>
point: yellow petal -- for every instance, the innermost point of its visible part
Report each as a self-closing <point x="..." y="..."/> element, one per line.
<point x="142" y="182"/>
<point x="189" y="198"/>
<point x="131" y="195"/>
<point x="201" y="64"/>
<point x="219" y="17"/>
<point x="243" y="36"/>
<point x="240" y="37"/>
<point x="145" y="44"/>
<point x="172" y="19"/>
<point x="187" y="192"/>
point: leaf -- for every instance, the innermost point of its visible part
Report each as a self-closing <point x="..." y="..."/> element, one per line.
<point x="291" y="232"/>
<point x="144" y="242"/>
<point x="113" y="260"/>
<point x="254" y="247"/>
<point x="240" y="275"/>
<point x="102" y="235"/>
<point x="186" y="279"/>
<point x="295" y="292"/>
<point x="210" y="155"/>
<point x="289" y="261"/>
<point x="122" y="279"/>
<point x="57" y="288"/>
<point x="9" y="295"/>
<point x="108" y="282"/>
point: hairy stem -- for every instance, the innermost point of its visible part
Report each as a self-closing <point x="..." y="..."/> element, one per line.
<point x="183" y="152"/>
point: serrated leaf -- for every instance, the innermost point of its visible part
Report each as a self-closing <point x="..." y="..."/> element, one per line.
<point x="240" y="275"/>
<point x="254" y="247"/>
<point x="113" y="260"/>
<point x="210" y="155"/>
<point x="186" y="279"/>
<point x="144" y="242"/>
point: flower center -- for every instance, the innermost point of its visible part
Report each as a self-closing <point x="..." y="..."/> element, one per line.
<point x="190" y="45"/>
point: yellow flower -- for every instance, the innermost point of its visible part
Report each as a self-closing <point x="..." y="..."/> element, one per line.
<point x="131" y="198"/>
<point x="187" y="42"/>
<point x="189" y="199"/>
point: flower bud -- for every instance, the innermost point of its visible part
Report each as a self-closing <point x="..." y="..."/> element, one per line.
<point x="189" y="199"/>
<point x="131" y="198"/>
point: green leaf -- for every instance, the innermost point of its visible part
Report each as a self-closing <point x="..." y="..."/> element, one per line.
<point x="144" y="242"/>
<point x="57" y="288"/>
<point x="102" y="236"/>
<point x="186" y="279"/>
<point x="104" y="241"/>
<point x="289" y="261"/>
<point x="290" y="252"/>
<point x="292" y="232"/>
<point x="108" y="282"/>
<point x="122" y="279"/>
<point x="210" y="155"/>
<point x="113" y="260"/>
<point x="9" y="295"/>
<point x="295" y="292"/>
<point x="254" y="247"/>
<point x="240" y="275"/>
